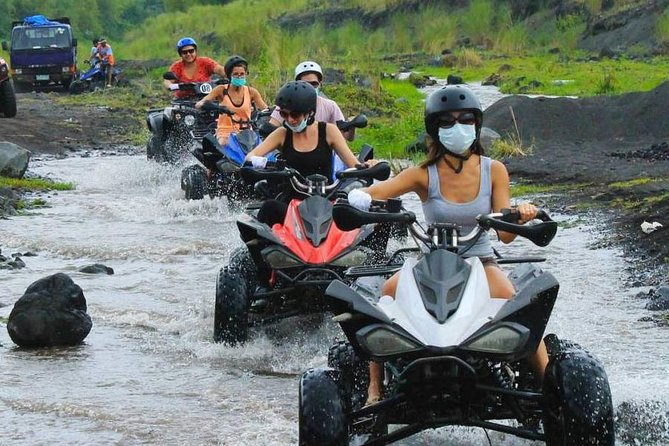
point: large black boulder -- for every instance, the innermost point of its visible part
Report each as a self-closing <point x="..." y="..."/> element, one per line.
<point x="52" y="312"/>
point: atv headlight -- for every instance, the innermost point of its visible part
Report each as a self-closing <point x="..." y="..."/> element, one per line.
<point x="504" y="339"/>
<point x="277" y="259"/>
<point x="189" y="120"/>
<point x="353" y="258"/>
<point x="65" y="69"/>
<point x="18" y="71"/>
<point x="380" y="340"/>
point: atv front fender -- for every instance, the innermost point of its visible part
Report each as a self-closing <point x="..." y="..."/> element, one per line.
<point x="154" y="121"/>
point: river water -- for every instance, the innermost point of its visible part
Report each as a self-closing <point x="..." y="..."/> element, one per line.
<point x="149" y="373"/>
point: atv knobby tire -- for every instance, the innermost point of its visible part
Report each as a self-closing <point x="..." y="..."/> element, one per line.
<point x="155" y="148"/>
<point x="194" y="182"/>
<point x="240" y="259"/>
<point x="7" y="99"/>
<point x="231" y="314"/>
<point x="578" y="410"/>
<point x="353" y="374"/>
<point x="322" y="420"/>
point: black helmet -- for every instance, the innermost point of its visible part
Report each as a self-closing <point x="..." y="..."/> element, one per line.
<point x="297" y="96"/>
<point x="234" y="61"/>
<point x="450" y="98"/>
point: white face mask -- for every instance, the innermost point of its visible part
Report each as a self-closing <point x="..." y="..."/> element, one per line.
<point x="459" y="138"/>
<point x="297" y="128"/>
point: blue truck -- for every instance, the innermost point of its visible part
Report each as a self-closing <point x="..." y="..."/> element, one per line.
<point x="43" y="52"/>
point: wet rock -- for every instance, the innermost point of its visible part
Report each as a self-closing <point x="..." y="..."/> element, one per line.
<point x="659" y="299"/>
<point x="52" y="312"/>
<point x="17" y="263"/>
<point x="452" y="79"/>
<point x="13" y="160"/>
<point x="488" y="137"/>
<point x="96" y="268"/>
<point x="494" y="79"/>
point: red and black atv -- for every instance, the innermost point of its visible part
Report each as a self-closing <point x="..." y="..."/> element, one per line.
<point x="283" y="270"/>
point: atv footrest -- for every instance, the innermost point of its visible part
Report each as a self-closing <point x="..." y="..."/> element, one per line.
<point x="372" y="270"/>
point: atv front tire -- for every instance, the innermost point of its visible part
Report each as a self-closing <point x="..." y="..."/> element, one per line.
<point x="322" y="420"/>
<point x="155" y="148"/>
<point x="231" y="314"/>
<point x="578" y="410"/>
<point x="7" y="99"/>
<point x="353" y="374"/>
<point x="194" y="182"/>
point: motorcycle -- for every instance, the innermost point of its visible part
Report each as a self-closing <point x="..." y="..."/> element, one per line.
<point x="300" y="257"/>
<point x="223" y="162"/>
<point x="180" y="126"/>
<point x="93" y="79"/>
<point x="452" y="354"/>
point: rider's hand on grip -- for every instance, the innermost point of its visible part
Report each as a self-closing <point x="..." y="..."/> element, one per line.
<point x="174" y="87"/>
<point x="359" y="199"/>
<point x="258" y="161"/>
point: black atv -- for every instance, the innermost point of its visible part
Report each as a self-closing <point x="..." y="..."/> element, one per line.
<point x="7" y="96"/>
<point x="452" y="354"/>
<point x="176" y="129"/>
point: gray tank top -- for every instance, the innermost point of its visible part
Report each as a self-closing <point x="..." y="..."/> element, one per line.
<point x="438" y="209"/>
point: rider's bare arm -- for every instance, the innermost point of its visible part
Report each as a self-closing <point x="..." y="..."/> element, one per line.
<point x="218" y="69"/>
<point x="336" y="140"/>
<point x="257" y="99"/>
<point x="413" y="179"/>
<point x="215" y="93"/>
<point x="501" y="199"/>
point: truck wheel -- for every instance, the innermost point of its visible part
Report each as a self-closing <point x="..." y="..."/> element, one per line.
<point x="577" y="399"/>
<point x="194" y="182"/>
<point x="231" y="314"/>
<point x="322" y="421"/>
<point x="7" y="99"/>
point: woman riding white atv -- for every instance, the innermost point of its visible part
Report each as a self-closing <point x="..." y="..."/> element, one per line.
<point x="455" y="184"/>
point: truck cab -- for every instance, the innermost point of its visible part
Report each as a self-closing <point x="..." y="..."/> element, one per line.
<point x="42" y="52"/>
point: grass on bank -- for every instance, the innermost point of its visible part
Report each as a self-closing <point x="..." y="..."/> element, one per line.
<point x="35" y="184"/>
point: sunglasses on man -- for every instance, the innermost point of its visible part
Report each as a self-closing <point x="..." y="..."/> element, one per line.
<point x="188" y="51"/>
<point x="447" y="121"/>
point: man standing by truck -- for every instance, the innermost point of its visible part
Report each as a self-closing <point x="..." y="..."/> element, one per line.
<point x="106" y="56"/>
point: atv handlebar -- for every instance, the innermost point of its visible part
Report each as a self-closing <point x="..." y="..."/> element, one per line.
<point x="277" y="171"/>
<point x="359" y="122"/>
<point x="348" y="217"/>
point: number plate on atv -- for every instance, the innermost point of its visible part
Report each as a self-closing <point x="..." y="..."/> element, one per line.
<point x="41" y="77"/>
<point x="205" y="88"/>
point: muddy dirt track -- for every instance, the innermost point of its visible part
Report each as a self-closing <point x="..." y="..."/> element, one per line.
<point x="41" y="126"/>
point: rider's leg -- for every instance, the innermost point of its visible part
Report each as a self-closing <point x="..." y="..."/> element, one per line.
<point x="376" y="368"/>
<point x="110" y="69"/>
<point x="501" y="287"/>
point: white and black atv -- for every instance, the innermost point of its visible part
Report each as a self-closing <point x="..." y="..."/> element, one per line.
<point x="453" y="355"/>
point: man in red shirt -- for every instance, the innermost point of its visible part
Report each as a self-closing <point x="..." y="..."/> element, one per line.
<point x="191" y="68"/>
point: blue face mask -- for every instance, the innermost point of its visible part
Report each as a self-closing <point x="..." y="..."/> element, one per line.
<point x="296" y="128"/>
<point x="238" y="81"/>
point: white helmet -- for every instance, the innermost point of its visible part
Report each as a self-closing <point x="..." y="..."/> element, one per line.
<point x="308" y="66"/>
